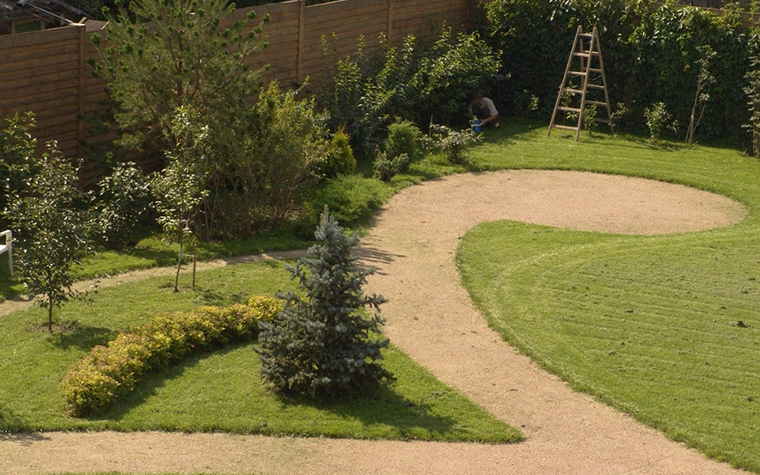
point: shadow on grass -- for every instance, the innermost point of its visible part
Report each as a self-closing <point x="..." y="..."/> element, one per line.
<point x="385" y="407"/>
<point x="71" y="333"/>
<point x="10" y="423"/>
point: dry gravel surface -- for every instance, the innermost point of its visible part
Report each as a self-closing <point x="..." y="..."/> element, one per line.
<point x="430" y="317"/>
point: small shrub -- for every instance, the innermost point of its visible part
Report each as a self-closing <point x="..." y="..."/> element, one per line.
<point x="320" y="343"/>
<point x="123" y="198"/>
<point x="339" y="158"/>
<point x="386" y="168"/>
<point x="403" y="138"/>
<point x="109" y="372"/>
<point x="349" y="197"/>
<point x="658" y="120"/>
<point x="454" y="144"/>
<point x="617" y="116"/>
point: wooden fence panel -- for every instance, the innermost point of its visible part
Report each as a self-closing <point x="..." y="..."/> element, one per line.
<point x="47" y="72"/>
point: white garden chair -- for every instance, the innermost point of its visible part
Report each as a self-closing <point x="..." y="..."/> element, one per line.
<point x="8" y="247"/>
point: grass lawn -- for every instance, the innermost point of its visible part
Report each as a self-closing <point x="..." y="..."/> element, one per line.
<point x="665" y="328"/>
<point x="215" y="391"/>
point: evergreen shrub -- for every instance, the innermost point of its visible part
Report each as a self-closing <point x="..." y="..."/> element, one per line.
<point x="404" y="137"/>
<point x="339" y="159"/>
<point x="350" y="198"/>
<point x="109" y="372"/>
<point x="321" y="344"/>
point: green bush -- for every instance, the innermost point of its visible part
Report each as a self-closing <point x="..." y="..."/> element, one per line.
<point x="386" y="168"/>
<point x="658" y="119"/>
<point x="339" y="158"/>
<point x="123" y="198"/>
<point x="109" y="372"/>
<point x="403" y="137"/>
<point x="321" y="344"/>
<point x="350" y="198"/>
<point x="414" y="82"/>
<point x="454" y="144"/>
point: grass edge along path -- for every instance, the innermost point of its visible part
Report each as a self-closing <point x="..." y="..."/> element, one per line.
<point x="574" y="302"/>
<point x="417" y="406"/>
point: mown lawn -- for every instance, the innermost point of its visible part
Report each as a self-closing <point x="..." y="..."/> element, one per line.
<point x="217" y="391"/>
<point x="665" y="328"/>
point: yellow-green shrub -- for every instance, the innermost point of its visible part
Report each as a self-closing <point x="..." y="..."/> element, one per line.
<point x="109" y="372"/>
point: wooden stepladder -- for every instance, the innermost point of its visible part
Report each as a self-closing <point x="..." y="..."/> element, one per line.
<point x="583" y="84"/>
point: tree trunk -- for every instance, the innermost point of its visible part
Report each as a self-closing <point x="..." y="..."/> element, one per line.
<point x="179" y="261"/>
<point x="50" y="315"/>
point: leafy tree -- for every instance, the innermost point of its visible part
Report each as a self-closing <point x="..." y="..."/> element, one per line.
<point x="123" y="197"/>
<point x="320" y="343"/>
<point x="17" y="161"/>
<point x="163" y="54"/>
<point x="52" y="226"/>
<point x="179" y="188"/>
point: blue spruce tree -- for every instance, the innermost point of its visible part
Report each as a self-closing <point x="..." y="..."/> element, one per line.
<point x="322" y="344"/>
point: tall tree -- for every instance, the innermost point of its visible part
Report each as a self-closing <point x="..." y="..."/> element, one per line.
<point x="163" y="54"/>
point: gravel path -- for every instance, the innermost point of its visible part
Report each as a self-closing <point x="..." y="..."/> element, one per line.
<point x="431" y="318"/>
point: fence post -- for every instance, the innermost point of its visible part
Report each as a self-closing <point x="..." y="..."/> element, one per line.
<point x="82" y="87"/>
<point x="390" y="20"/>
<point x="301" y="30"/>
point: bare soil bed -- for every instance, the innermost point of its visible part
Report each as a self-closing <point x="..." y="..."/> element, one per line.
<point x="430" y="317"/>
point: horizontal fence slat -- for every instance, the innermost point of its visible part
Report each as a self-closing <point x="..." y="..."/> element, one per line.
<point x="40" y="71"/>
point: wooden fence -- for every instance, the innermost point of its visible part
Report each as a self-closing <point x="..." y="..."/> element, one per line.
<point x="47" y="72"/>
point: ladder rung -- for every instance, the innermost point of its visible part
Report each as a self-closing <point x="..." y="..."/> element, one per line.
<point x="569" y="109"/>
<point x="565" y="127"/>
<point x="576" y="73"/>
<point x="594" y="70"/>
<point x="573" y="91"/>
<point x="603" y="121"/>
<point x="582" y="54"/>
<point x="595" y="86"/>
<point x="585" y="36"/>
<point x="599" y="103"/>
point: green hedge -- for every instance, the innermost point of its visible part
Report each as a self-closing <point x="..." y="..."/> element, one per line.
<point x="109" y="372"/>
<point x="650" y="55"/>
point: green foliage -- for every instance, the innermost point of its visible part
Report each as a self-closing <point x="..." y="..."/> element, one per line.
<point x="386" y="168"/>
<point x="404" y="137"/>
<point x="179" y="188"/>
<point x="320" y="344"/>
<point x="17" y="159"/>
<point x="339" y="159"/>
<point x="413" y="82"/>
<point x="617" y="116"/>
<point x="285" y="144"/>
<point x="183" y="59"/>
<point x="658" y="119"/>
<point x="350" y="198"/>
<point x="454" y="144"/>
<point x="51" y="225"/>
<point x="589" y="118"/>
<point x="109" y="372"/>
<point x="752" y="90"/>
<point x="123" y="198"/>
<point x="449" y="73"/>
<point x="650" y="54"/>
<point x="525" y="103"/>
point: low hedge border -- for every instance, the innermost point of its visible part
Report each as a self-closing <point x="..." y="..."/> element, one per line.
<point x="109" y="372"/>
